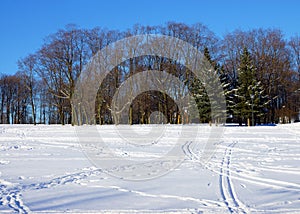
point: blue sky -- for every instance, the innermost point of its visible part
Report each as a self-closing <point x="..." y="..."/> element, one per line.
<point x="25" y="23"/>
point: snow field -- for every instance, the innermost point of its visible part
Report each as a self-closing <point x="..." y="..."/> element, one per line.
<point x="253" y="170"/>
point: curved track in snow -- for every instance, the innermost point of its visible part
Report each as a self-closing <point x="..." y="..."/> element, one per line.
<point x="42" y="165"/>
<point x="226" y="186"/>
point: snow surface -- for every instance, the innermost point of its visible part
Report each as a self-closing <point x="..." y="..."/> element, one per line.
<point x="254" y="170"/>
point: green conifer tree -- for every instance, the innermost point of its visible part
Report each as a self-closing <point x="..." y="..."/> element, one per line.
<point x="208" y="104"/>
<point x="249" y="94"/>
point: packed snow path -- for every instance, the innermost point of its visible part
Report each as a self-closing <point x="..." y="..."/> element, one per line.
<point x="256" y="169"/>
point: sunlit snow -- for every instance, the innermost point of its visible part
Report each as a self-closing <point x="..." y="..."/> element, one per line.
<point x="254" y="169"/>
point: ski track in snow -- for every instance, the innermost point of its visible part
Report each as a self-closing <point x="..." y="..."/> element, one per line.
<point x="227" y="191"/>
<point x="11" y="194"/>
<point x="226" y="175"/>
<point x="226" y="186"/>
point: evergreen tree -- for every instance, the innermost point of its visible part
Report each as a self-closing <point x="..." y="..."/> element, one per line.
<point x="202" y="100"/>
<point x="206" y="92"/>
<point x="249" y="95"/>
<point x="228" y="88"/>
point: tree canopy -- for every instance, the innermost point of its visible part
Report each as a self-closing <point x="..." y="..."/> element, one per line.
<point x="259" y="70"/>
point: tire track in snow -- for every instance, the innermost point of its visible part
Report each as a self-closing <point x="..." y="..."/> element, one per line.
<point x="226" y="186"/>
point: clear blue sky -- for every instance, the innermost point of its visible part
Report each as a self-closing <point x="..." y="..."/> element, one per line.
<point x="25" y="23"/>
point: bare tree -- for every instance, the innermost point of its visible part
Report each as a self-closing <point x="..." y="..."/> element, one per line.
<point x="61" y="61"/>
<point x="27" y="68"/>
<point x="294" y="45"/>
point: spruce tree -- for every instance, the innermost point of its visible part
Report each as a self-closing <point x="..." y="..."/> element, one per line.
<point x="208" y="107"/>
<point x="202" y="100"/>
<point x="249" y="95"/>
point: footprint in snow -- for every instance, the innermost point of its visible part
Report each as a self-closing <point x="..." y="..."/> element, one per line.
<point x="243" y="185"/>
<point x="4" y="162"/>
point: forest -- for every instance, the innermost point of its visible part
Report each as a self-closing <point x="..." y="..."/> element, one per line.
<point x="259" y="70"/>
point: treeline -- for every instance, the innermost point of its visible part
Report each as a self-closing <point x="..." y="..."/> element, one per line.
<point x="259" y="70"/>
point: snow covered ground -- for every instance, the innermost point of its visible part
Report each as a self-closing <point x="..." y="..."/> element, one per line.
<point x="254" y="170"/>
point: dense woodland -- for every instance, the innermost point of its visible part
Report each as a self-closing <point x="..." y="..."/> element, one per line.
<point x="259" y="70"/>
